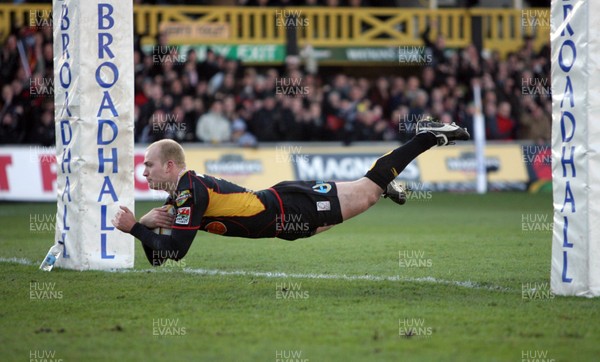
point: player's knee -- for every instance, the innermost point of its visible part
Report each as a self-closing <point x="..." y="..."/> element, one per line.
<point x="372" y="199"/>
<point x="368" y="191"/>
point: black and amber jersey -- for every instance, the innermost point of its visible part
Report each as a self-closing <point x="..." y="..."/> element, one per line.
<point x="288" y="210"/>
<point x="208" y="203"/>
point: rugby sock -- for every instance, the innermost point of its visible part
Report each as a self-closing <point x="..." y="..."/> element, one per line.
<point x="388" y="166"/>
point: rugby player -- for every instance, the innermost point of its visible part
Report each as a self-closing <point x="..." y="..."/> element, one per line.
<point x="288" y="210"/>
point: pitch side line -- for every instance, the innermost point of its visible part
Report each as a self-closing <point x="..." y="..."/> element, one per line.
<point x="372" y="278"/>
<point x="282" y="275"/>
<point x="14" y="260"/>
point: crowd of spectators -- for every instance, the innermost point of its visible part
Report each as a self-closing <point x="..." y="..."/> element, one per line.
<point x="217" y="100"/>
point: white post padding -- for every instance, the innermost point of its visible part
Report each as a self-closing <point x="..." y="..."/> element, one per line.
<point x="575" y="41"/>
<point x="479" y="137"/>
<point x="94" y="80"/>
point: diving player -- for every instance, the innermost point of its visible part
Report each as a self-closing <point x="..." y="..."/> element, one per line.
<point x="287" y="210"/>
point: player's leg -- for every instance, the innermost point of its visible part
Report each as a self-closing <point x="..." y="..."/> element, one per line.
<point x="357" y="196"/>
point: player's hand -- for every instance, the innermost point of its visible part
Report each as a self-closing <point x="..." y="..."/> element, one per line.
<point x="124" y="219"/>
<point x="158" y="217"/>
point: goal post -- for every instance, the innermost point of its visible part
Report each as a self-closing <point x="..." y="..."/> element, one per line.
<point x="94" y="85"/>
<point x="575" y="43"/>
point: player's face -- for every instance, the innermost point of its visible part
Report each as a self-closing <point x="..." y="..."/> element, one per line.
<point x="155" y="171"/>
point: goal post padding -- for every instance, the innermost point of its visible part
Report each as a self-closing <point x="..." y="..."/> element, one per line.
<point x="94" y="85"/>
<point x="575" y="43"/>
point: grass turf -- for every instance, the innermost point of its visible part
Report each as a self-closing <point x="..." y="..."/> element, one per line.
<point x="464" y="302"/>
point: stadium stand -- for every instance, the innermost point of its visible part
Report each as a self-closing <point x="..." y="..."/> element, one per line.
<point x="179" y="94"/>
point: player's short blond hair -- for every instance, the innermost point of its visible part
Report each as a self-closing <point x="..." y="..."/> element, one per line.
<point x="170" y="150"/>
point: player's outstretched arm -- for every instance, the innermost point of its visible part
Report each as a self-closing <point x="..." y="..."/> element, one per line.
<point x="173" y="246"/>
<point x="157" y="247"/>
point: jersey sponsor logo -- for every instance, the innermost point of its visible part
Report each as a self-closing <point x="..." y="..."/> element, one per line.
<point x="183" y="215"/>
<point x="323" y="206"/>
<point x="182" y="197"/>
<point x="216" y="227"/>
<point x="322" y="187"/>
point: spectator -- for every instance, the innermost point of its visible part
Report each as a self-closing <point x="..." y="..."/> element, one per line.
<point x="505" y="124"/>
<point x="209" y="67"/>
<point x="10" y="129"/>
<point x="213" y="127"/>
<point x="428" y="79"/>
<point x="292" y="126"/>
<point x="11" y="117"/>
<point x="412" y="88"/>
<point x="435" y="51"/>
<point x="397" y="96"/>
<point x="314" y="122"/>
<point x="334" y="122"/>
<point x="155" y="101"/>
<point x="535" y="125"/>
<point x="370" y="126"/>
<point x="9" y="59"/>
<point x="155" y="129"/>
<point x="264" y="124"/>
<point x="402" y="124"/>
<point x="177" y="128"/>
<point x="43" y="132"/>
<point x="380" y="94"/>
<point x="446" y="118"/>
<point x="418" y="107"/>
<point x="348" y="113"/>
<point x="490" y="115"/>
<point x="240" y="134"/>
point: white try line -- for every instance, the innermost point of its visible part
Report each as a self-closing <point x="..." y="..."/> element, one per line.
<point x="14" y="260"/>
<point x="372" y="278"/>
<point x="282" y="275"/>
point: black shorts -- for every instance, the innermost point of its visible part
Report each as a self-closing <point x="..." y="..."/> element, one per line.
<point x="307" y="205"/>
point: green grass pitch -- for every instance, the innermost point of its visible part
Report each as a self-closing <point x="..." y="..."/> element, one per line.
<point x="447" y="277"/>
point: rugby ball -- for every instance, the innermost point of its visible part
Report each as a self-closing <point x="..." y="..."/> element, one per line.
<point x="165" y="231"/>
